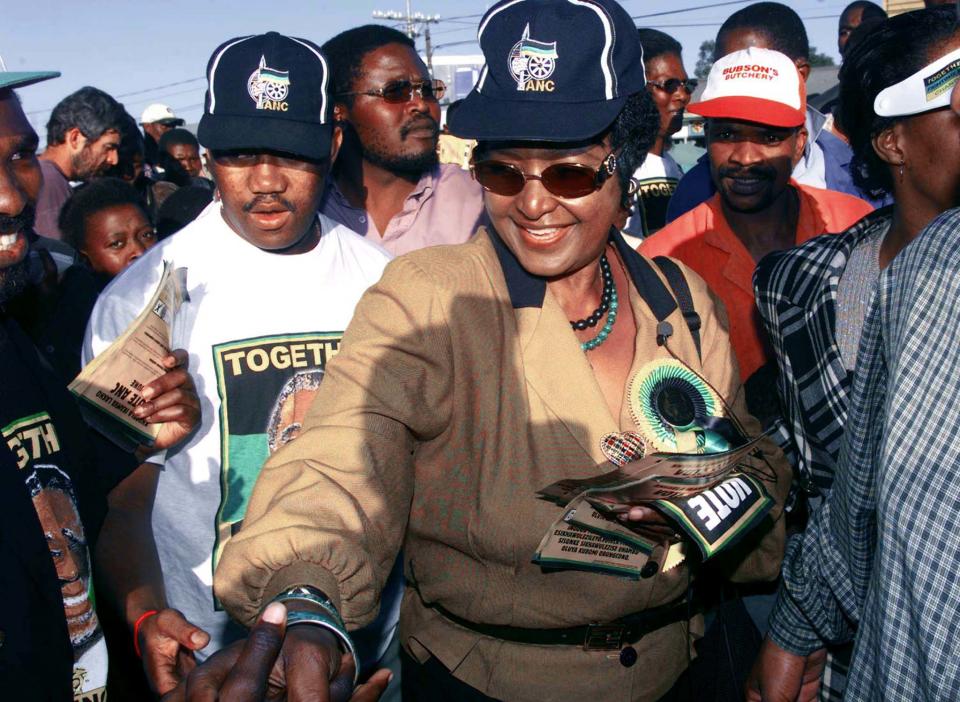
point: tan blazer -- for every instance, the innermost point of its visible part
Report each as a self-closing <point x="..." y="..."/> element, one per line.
<point x="461" y="390"/>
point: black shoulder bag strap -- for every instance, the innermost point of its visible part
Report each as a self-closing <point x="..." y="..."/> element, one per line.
<point x="681" y="290"/>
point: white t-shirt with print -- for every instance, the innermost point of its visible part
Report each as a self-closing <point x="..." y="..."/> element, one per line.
<point x="656" y="181"/>
<point x="259" y="329"/>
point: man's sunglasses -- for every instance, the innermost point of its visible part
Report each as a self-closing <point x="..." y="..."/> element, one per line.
<point x="567" y="180"/>
<point x="672" y="85"/>
<point x="400" y="91"/>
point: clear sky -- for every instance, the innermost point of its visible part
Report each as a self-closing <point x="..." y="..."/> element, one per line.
<point x="132" y="48"/>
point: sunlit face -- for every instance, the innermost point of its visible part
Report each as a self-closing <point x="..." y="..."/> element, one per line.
<point x="20" y="180"/>
<point x="68" y="548"/>
<point x="115" y="237"/>
<point x="396" y="136"/>
<point x="553" y="236"/>
<point x="188" y="156"/>
<point x="660" y="69"/>
<point x="751" y="163"/>
<point x="95" y="157"/>
<point x="270" y="199"/>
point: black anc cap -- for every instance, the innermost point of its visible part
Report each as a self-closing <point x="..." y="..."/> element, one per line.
<point x="268" y="92"/>
<point x="555" y="70"/>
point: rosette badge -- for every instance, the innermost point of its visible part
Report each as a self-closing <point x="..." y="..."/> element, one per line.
<point x="670" y="405"/>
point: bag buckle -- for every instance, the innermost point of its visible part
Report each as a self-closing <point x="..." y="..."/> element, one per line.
<point x="603" y="637"/>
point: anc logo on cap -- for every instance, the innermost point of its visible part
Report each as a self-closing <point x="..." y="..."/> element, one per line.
<point x="532" y="63"/>
<point x="269" y="87"/>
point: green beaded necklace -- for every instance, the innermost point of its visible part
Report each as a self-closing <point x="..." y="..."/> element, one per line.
<point x="609" y="292"/>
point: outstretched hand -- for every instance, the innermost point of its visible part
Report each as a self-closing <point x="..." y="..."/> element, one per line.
<point x="272" y="663"/>
<point x="167" y="642"/>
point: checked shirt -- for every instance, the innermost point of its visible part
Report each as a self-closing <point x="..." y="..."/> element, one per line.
<point x="878" y="559"/>
<point x="796" y="293"/>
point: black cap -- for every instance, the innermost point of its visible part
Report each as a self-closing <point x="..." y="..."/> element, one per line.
<point x="268" y="92"/>
<point x="555" y="70"/>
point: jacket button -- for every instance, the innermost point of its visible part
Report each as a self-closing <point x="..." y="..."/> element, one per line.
<point x="628" y="656"/>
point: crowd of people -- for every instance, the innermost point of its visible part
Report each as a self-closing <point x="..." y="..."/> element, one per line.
<point x="394" y="335"/>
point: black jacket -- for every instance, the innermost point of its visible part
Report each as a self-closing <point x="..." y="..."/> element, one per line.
<point x="36" y="656"/>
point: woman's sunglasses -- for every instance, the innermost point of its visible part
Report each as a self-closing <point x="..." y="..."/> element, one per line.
<point x="568" y="180"/>
<point x="672" y="85"/>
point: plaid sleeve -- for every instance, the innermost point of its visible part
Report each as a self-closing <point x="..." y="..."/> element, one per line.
<point x="790" y="629"/>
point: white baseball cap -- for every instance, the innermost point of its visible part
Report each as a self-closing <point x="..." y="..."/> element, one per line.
<point x="927" y="89"/>
<point x="158" y="112"/>
<point x="755" y="85"/>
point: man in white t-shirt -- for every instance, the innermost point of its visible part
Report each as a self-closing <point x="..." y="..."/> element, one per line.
<point x="272" y="286"/>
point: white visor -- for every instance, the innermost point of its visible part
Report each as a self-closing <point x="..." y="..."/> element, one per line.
<point x="927" y="89"/>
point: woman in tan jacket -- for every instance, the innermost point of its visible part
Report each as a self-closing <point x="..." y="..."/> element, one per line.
<point x="471" y="376"/>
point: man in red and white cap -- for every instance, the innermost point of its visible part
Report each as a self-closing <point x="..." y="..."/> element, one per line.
<point x="755" y="103"/>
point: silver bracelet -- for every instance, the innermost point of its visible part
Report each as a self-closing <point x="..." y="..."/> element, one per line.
<point x="334" y="626"/>
<point x="332" y="621"/>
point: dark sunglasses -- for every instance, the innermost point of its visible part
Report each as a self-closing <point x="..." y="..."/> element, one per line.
<point x="672" y="85"/>
<point x="568" y="180"/>
<point x="400" y="91"/>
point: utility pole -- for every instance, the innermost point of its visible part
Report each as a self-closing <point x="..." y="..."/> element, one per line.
<point x="426" y="43"/>
<point x="416" y="23"/>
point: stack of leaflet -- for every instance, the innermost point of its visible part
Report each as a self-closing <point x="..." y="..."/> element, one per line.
<point x="712" y="499"/>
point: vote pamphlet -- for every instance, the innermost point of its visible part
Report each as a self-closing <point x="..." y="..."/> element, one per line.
<point x="711" y="499"/>
<point x="109" y="386"/>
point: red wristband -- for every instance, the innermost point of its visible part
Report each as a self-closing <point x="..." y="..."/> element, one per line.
<point x="136" y="629"/>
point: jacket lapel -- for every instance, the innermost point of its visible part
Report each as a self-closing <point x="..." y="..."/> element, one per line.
<point x="558" y="371"/>
<point x="732" y="258"/>
<point x="553" y="364"/>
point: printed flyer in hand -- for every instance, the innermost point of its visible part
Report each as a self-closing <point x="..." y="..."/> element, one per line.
<point x="110" y="386"/>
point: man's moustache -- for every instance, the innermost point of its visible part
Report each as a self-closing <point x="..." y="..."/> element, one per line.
<point x="427" y="123"/>
<point x="268" y="201"/>
<point x="18" y="223"/>
<point x="748" y="173"/>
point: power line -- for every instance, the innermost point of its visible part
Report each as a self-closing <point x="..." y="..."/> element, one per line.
<point x="690" y="9"/>
<point x="453" y="31"/>
<point x="160" y="87"/>
<point x="153" y="98"/>
<point x="133" y="92"/>
<point x="460" y="17"/>
<point x="455" y="43"/>
<point x="716" y="23"/>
